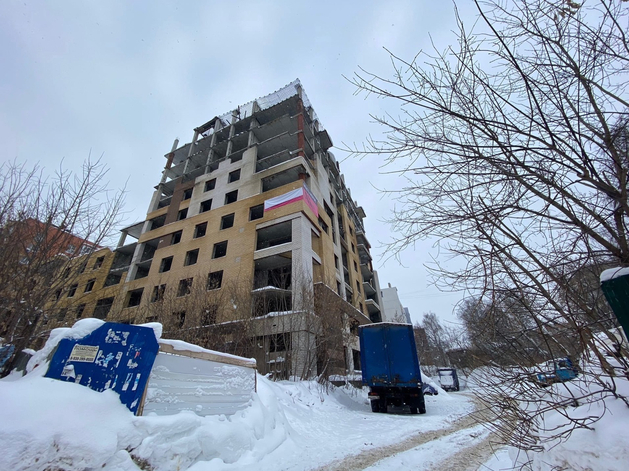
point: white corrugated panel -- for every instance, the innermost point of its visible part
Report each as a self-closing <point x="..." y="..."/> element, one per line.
<point x="205" y="387"/>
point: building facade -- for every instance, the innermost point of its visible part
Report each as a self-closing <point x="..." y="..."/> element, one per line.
<point x="252" y="245"/>
<point x="392" y="309"/>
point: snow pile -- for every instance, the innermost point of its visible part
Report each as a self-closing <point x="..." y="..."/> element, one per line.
<point x="605" y="445"/>
<point x="593" y="399"/>
<point x="49" y="424"/>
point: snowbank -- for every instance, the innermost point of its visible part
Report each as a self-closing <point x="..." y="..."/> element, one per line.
<point x="48" y="424"/>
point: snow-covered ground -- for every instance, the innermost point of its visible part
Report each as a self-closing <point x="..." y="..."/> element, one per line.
<point x="47" y="424"/>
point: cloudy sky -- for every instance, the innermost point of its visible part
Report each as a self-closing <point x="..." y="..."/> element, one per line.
<point x="124" y="79"/>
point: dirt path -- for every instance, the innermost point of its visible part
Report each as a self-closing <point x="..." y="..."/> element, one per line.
<point x="468" y="459"/>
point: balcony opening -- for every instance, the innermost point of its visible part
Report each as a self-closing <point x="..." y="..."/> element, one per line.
<point x="282" y="178"/>
<point x="274" y="235"/>
<point x="157" y="222"/>
<point x="273" y="272"/>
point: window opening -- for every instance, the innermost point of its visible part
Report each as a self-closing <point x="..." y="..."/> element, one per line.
<point x="231" y="197"/>
<point x="135" y="297"/>
<point x="176" y="237"/>
<point x="206" y="206"/>
<point x="103" y="306"/>
<point x="90" y="285"/>
<point x="227" y="221"/>
<point x="210" y="184"/>
<point x="256" y="212"/>
<point x="233" y="176"/>
<point x="200" y="229"/>
<point x="185" y="286"/>
<point x="98" y="263"/>
<point x="166" y="264"/>
<point x="220" y="250"/>
<point x="191" y="257"/>
<point x="158" y="293"/>
<point x="215" y="280"/>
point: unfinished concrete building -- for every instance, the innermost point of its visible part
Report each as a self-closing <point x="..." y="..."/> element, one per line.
<point x="252" y="244"/>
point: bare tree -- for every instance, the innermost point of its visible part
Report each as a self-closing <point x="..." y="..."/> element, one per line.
<point x="45" y="222"/>
<point x="513" y="146"/>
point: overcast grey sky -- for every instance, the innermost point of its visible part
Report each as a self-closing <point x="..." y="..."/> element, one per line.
<point x="124" y="79"/>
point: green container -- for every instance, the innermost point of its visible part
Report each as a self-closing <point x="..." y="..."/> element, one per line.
<point x="616" y="291"/>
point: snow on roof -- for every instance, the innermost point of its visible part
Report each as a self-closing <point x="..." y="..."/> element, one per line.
<point x="185" y="346"/>
<point x="267" y="101"/>
<point x="612" y="273"/>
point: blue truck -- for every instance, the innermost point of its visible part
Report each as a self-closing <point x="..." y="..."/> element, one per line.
<point x="390" y="366"/>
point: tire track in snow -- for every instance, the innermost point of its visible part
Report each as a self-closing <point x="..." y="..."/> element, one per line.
<point x="468" y="458"/>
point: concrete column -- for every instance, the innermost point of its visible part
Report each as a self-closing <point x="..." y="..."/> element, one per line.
<point x="133" y="267"/>
<point x="232" y="131"/>
<point x="210" y="153"/>
<point x="123" y="237"/>
<point x="302" y="272"/>
<point x="194" y="139"/>
<point x="169" y="162"/>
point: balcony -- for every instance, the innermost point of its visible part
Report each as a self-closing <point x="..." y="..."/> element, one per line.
<point x="374" y="310"/>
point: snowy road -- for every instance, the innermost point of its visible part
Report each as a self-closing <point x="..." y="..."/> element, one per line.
<point x="463" y="445"/>
<point x="343" y="434"/>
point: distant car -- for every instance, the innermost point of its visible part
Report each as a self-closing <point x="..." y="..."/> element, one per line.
<point x="557" y="371"/>
<point x="448" y="379"/>
<point x="428" y="390"/>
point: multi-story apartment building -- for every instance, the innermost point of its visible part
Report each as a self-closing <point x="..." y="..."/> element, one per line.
<point x="252" y="244"/>
<point x="391" y="306"/>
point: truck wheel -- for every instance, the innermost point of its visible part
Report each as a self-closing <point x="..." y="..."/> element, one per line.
<point x="383" y="406"/>
<point x="414" y="410"/>
<point x="375" y="406"/>
<point x="422" y="408"/>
